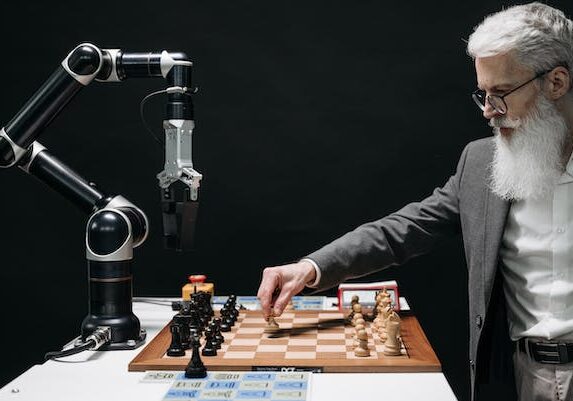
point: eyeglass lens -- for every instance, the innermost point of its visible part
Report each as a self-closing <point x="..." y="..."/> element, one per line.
<point x="496" y="102"/>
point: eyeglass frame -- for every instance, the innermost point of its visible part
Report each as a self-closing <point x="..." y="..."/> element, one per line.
<point x="482" y="106"/>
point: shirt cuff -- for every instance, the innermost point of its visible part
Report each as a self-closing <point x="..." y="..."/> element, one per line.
<point x="314" y="284"/>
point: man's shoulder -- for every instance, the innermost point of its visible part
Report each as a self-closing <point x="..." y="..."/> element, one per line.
<point x="480" y="150"/>
<point x="483" y="144"/>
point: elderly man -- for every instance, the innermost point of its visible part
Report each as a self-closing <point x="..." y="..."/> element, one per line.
<point x="512" y="199"/>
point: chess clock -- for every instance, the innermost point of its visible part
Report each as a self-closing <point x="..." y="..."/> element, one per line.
<point x="367" y="293"/>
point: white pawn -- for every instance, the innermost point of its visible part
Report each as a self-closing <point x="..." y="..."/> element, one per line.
<point x="357" y="307"/>
<point x="355" y="318"/>
<point x="356" y="312"/>
<point x="362" y="349"/>
<point x="350" y="316"/>
<point x="353" y="301"/>
<point x="358" y="327"/>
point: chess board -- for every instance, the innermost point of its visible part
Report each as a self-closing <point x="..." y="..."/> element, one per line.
<point x="314" y="340"/>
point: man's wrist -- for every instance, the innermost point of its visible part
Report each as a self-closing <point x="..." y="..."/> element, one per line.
<point x="313" y="279"/>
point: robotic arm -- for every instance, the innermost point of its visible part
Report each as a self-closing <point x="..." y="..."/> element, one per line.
<point x="88" y="62"/>
<point x="115" y="226"/>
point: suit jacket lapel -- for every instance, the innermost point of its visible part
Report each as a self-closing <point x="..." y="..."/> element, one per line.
<point x="496" y="211"/>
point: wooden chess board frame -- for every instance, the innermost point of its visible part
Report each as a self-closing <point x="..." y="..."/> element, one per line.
<point x="326" y="345"/>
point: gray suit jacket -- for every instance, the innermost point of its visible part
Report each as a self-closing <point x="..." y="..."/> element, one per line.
<point x="464" y="204"/>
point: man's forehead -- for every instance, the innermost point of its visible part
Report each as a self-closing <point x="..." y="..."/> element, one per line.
<point x="499" y="70"/>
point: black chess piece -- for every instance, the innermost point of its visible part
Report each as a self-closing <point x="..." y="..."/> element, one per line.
<point x="205" y="302"/>
<point x="210" y="347"/>
<point x="175" y="349"/>
<point x="229" y="320"/>
<point x="195" y="369"/>
<point x="234" y="314"/>
<point x="217" y="331"/>
<point x="183" y="322"/>
<point x="214" y="329"/>
<point x="195" y="320"/>
<point x="208" y="304"/>
<point x="224" y="326"/>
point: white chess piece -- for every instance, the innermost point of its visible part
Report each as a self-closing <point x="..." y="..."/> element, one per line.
<point x="272" y="325"/>
<point x="362" y="349"/>
<point x="358" y="327"/>
<point x="392" y="343"/>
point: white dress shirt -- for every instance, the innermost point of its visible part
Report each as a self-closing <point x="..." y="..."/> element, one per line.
<point x="537" y="254"/>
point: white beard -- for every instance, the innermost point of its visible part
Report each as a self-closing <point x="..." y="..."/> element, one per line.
<point x="528" y="164"/>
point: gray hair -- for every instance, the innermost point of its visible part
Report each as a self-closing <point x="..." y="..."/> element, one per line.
<point x="540" y="36"/>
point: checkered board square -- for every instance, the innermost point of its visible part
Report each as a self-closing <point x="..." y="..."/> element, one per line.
<point x="318" y="340"/>
<point x="243" y="386"/>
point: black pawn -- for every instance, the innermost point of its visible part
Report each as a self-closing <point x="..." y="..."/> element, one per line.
<point x="225" y="326"/>
<point x="229" y="320"/>
<point x="210" y="348"/>
<point x="217" y="330"/>
<point x="176" y="348"/>
<point x="195" y="369"/>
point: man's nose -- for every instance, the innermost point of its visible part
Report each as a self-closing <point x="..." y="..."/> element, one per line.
<point x="489" y="112"/>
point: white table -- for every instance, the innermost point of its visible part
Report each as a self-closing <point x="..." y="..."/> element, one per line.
<point x="104" y="376"/>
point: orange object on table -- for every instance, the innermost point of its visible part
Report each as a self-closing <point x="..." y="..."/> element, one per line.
<point x="196" y="283"/>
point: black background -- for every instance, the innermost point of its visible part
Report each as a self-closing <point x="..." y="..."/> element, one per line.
<point x="312" y="118"/>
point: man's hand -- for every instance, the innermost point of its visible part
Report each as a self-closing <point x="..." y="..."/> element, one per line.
<point x="280" y="283"/>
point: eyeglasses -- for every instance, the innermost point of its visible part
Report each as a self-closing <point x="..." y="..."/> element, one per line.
<point x="497" y="101"/>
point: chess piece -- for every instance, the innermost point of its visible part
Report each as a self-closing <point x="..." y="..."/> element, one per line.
<point x="395" y="317"/>
<point x="357" y="308"/>
<point x="176" y="348"/>
<point x="359" y="322"/>
<point x="272" y="325"/>
<point x="183" y="322"/>
<point x="195" y="369"/>
<point x="217" y="324"/>
<point x="195" y="322"/>
<point x="289" y="306"/>
<point x="355" y="318"/>
<point x="362" y="350"/>
<point x="358" y="327"/>
<point x="381" y="326"/>
<point x="234" y="313"/>
<point x="353" y="301"/>
<point x="210" y="348"/>
<point x="218" y="338"/>
<point x="392" y="343"/>
<point x="386" y="298"/>
<point x="378" y="317"/>
<point x="194" y="336"/>
<point x="385" y="310"/>
<point x="224" y="326"/>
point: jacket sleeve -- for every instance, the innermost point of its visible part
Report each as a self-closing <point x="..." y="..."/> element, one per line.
<point x="392" y="240"/>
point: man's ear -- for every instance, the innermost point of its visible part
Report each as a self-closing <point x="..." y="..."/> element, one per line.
<point x="559" y="83"/>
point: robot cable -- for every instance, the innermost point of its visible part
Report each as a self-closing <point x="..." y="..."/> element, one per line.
<point x="174" y="89"/>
